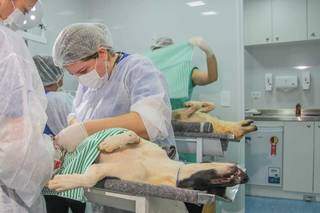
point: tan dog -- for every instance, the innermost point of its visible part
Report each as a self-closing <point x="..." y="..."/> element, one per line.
<point x="129" y="157"/>
<point x="198" y="112"/>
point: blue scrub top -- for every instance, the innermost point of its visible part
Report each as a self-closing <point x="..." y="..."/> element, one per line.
<point x="47" y="130"/>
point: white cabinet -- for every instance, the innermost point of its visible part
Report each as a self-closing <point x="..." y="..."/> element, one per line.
<point x="272" y="21"/>
<point x="316" y="185"/>
<point x="298" y="156"/>
<point x="289" y="20"/>
<point x="257" y="21"/>
<point x="264" y="160"/>
<point x="313" y="19"/>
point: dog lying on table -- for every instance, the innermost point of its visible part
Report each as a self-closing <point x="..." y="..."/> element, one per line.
<point x="198" y="112"/>
<point x="126" y="156"/>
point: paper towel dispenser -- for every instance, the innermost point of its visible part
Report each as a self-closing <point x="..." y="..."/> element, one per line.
<point x="286" y="83"/>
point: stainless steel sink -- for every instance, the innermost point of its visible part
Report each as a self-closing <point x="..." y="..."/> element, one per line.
<point x="311" y="112"/>
<point x="284" y="115"/>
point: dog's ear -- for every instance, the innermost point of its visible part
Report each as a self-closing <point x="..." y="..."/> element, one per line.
<point x="219" y="191"/>
<point x="186" y="183"/>
<point x="199" y="180"/>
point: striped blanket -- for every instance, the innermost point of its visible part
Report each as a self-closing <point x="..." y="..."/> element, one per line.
<point x="78" y="162"/>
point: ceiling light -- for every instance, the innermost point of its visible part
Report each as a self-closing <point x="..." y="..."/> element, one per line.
<point x="195" y="3"/>
<point x="301" y="67"/>
<point x="209" y="13"/>
<point x="33" y="17"/>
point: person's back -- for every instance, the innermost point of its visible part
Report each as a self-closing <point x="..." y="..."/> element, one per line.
<point x="58" y="109"/>
<point x="59" y="102"/>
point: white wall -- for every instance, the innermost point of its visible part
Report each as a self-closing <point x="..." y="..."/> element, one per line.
<point x="280" y="60"/>
<point x="136" y="23"/>
<point x="57" y="15"/>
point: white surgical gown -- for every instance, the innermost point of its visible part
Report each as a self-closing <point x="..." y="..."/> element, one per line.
<point x="59" y="107"/>
<point x="26" y="155"/>
<point x="135" y="85"/>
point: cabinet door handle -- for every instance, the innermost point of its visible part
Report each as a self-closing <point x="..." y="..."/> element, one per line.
<point x="267" y="39"/>
<point x="319" y="126"/>
<point x="277" y="38"/>
<point x="309" y="126"/>
<point x="313" y="34"/>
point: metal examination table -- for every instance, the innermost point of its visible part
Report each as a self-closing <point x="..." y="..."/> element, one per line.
<point x="198" y="139"/>
<point x="135" y="197"/>
<point x="131" y="196"/>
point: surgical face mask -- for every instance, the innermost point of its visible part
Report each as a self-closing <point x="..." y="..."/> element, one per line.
<point x="15" y="20"/>
<point x="92" y="79"/>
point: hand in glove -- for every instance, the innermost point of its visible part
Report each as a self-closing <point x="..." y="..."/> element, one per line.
<point x="202" y="44"/>
<point x="70" y="137"/>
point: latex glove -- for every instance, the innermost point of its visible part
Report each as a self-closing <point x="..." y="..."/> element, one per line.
<point x="70" y="137"/>
<point x="71" y="119"/>
<point x="202" y="44"/>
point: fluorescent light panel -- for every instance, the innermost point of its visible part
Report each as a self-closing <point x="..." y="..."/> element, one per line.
<point x="301" y="67"/>
<point x="209" y="13"/>
<point x="195" y="3"/>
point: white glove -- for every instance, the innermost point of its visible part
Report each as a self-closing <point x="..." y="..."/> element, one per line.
<point x="202" y="44"/>
<point x="70" y="137"/>
<point x="71" y="119"/>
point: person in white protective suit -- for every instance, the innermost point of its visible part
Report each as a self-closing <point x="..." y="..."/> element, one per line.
<point x="26" y="155"/>
<point x="115" y="89"/>
<point x="59" y="102"/>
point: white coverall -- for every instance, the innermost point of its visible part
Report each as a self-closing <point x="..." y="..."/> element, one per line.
<point x="26" y="155"/>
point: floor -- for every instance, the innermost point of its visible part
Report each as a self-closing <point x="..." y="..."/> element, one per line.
<point x="277" y="205"/>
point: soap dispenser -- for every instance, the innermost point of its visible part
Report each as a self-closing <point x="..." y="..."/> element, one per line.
<point x="268" y="81"/>
<point x="306" y="80"/>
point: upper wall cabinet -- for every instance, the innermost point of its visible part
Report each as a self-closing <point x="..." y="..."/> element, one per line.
<point x="257" y="21"/>
<point x="313" y="19"/>
<point x="272" y="21"/>
<point x="289" y="20"/>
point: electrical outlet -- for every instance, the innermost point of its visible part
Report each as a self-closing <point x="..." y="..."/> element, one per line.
<point x="256" y="94"/>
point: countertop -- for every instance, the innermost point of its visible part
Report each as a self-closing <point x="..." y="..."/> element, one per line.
<point x="283" y="115"/>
